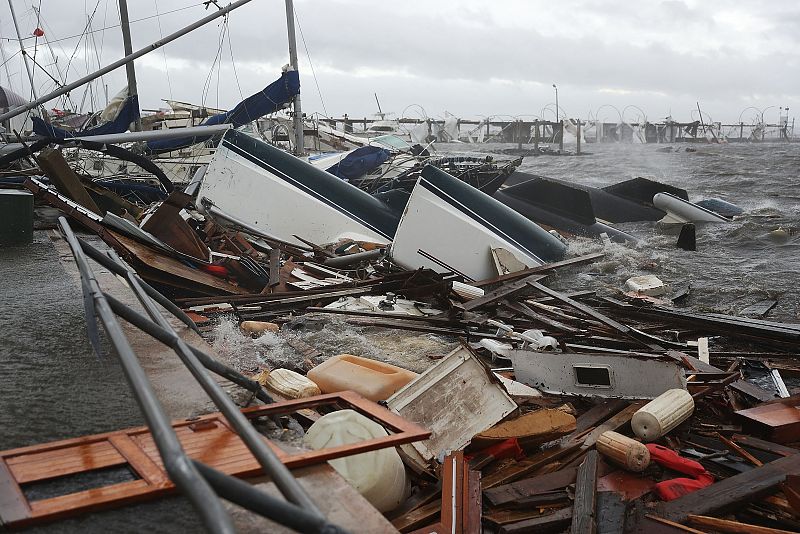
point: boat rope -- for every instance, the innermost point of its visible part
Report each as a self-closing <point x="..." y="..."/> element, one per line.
<point x="310" y="63"/>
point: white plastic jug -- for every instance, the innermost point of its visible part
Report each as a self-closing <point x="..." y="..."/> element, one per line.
<point x="379" y="476"/>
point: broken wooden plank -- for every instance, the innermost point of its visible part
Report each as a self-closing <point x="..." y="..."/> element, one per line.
<point x="672" y="524"/>
<point x="724" y="525"/>
<point x="594" y="314"/>
<point x="52" y="162"/>
<point x="514" y="491"/>
<point x="580" y="260"/>
<point x="554" y="522"/>
<point x="518" y="470"/>
<point x="585" y="507"/>
<point x="791" y="488"/>
<point x="619" y="420"/>
<point x="733" y="447"/>
<point x="727" y="494"/>
<point x="611" y="510"/>
<point x="504" y="291"/>
<point x="763" y="445"/>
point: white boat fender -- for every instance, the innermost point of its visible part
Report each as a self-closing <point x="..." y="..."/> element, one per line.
<point x="659" y="416"/>
<point x="623" y="451"/>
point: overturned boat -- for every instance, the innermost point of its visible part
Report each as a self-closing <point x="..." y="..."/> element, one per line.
<point x="283" y="196"/>
<point x="444" y="223"/>
<point x="450" y="226"/>
<point x="554" y="204"/>
<point x="628" y="201"/>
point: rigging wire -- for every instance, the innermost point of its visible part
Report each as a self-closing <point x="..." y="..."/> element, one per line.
<point x="311" y="64"/>
<point x="217" y="58"/>
<point x="233" y="65"/>
<point x="107" y="27"/>
<point x="163" y="50"/>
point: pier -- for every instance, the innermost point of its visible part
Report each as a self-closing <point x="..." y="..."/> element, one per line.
<point x="545" y="131"/>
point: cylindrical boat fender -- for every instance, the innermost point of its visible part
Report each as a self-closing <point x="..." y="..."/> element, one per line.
<point x="662" y="414"/>
<point x="623" y="451"/>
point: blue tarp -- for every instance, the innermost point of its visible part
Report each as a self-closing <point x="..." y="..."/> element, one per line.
<point x="128" y="113"/>
<point x="359" y="162"/>
<point x="268" y="100"/>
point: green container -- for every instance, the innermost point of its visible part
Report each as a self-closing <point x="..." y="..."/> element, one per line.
<point x="16" y="217"/>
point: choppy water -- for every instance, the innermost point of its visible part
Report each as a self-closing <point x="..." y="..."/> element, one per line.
<point x="735" y="264"/>
<point x="53" y="387"/>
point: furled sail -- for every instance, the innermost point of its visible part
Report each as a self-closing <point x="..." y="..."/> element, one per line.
<point x="118" y="115"/>
<point x="268" y="100"/>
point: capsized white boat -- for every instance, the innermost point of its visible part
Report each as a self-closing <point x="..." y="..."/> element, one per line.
<point x="445" y="224"/>
<point x="448" y="225"/>
<point x="286" y="197"/>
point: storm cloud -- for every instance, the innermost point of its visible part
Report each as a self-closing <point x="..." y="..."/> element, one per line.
<point x="466" y="57"/>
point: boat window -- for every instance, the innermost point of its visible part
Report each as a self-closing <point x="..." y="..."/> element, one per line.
<point x="592" y="376"/>
<point x="391" y="141"/>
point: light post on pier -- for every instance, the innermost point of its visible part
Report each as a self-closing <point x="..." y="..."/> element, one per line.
<point x="560" y="128"/>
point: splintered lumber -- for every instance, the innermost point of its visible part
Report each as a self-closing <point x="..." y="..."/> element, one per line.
<point x="610" y="513"/>
<point x="733" y="447"/>
<point x="520" y="469"/>
<point x="594" y="314"/>
<point x="554" y="522"/>
<point x="727" y="494"/>
<point x="52" y="162"/>
<point x="673" y="525"/>
<point x="504" y="291"/>
<point x="724" y="525"/>
<point x="522" y="489"/>
<point x="580" y="260"/>
<point x="533" y="428"/>
<point x="741" y="386"/>
<point x="585" y="507"/>
<point x="791" y="488"/>
<point x="619" y="420"/>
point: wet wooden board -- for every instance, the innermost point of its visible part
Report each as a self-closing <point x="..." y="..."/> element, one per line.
<point x="209" y="439"/>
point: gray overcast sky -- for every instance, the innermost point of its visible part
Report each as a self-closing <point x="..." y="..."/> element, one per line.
<point x="466" y="57"/>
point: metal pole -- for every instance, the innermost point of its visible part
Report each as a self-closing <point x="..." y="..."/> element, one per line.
<point x="578" y="151"/>
<point x="129" y="68"/>
<point x="165" y="336"/>
<point x="180" y="468"/>
<point x="245" y="495"/>
<point x="273" y="467"/>
<point x="124" y="61"/>
<point x="22" y="50"/>
<point x="299" y="142"/>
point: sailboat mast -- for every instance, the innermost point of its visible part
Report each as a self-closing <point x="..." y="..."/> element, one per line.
<point x="129" y="68"/>
<point x="22" y="50"/>
<point x="299" y="142"/>
<point x="130" y="57"/>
